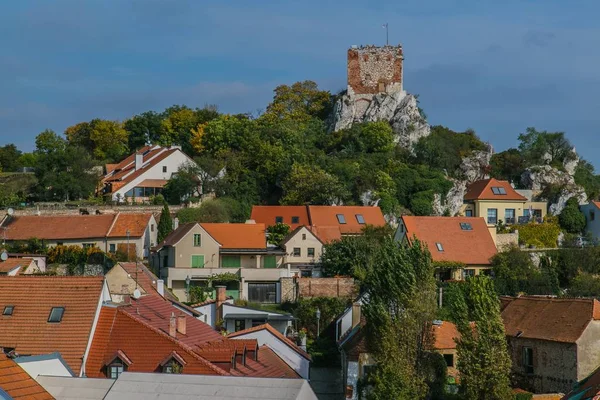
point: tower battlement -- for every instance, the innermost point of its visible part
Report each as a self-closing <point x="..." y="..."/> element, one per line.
<point x="373" y="69"/>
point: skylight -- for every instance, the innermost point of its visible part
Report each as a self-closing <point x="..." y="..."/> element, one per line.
<point x="439" y="246"/>
<point x="278" y="220"/>
<point x="466" y="226"/>
<point x="8" y="310"/>
<point x="498" y="190"/>
<point x="360" y="219"/>
<point x="341" y="219"/>
<point x="56" y="314"/>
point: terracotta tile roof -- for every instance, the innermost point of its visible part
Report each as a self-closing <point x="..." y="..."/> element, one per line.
<point x="482" y="190"/>
<point x="238" y="236"/>
<point x="267" y="215"/>
<point x="327" y="234"/>
<point x="135" y="223"/>
<point x="268" y="365"/>
<point x="110" y="168"/>
<point x="57" y="227"/>
<point x="28" y="329"/>
<point x="554" y="319"/>
<point x="174" y="237"/>
<point x="273" y="332"/>
<point x="472" y="247"/>
<point x="145" y="278"/>
<point x="444" y="335"/>
<point x="327" y="216"/>
<point x="154" y="183"/>
<point x="18" y="384"/>
<point x="12" y="263"/>
<point x="123" y="177"/>
<point x="131" y="158"/>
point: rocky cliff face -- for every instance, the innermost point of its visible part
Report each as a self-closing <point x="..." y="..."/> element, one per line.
<point x="400" y="109"/>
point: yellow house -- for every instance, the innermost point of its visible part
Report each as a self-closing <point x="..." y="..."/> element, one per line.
<point x="496" y="201"/>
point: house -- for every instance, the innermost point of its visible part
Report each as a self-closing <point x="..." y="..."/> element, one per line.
<point x="45" y="364"/>
<point x="17" y="266"/>
<point x="592" y="224"/>
<point x="109" y="232"/>
<point x="143" y="173"/>
<point x="16" y="384"/>
<point x="445" y="335"/>
<point x="586" y="389"/>
<point x="497" y="200"/>
<point x="173" y="342"/>
<point x="46" y="314"/>
<point x="125" y="277"/>
<point x="463" y="240"/>
<point x="195" y="252"/>
<point x="141" y="386"/>
<point x="328" y="223"/>
<point x="266" y="335"/>
<point x="553" y="342"/>
<point x="303" y="251"/>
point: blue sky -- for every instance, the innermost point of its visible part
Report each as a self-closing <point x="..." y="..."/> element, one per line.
<point x="494" y="66"/>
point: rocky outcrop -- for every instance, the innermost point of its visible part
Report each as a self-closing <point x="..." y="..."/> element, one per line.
<point x="571" y="162"/>
<point x="476" y="166"/>
<point x="541" y="177"/>
<point x="400" y="109"/>
<point x="453" y="200"/>
<point x="567" y="193"/>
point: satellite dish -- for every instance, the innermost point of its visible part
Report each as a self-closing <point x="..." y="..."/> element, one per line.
<point x="10" y="211"/>
<point x="137" y="294"/>
<point x="4" y="256"/>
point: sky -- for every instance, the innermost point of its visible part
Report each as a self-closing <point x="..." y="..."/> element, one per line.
<point x="494" y="66"/>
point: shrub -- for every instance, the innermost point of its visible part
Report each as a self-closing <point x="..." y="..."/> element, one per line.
<point x="571" y="219"/>
<point x="543" y="235"/>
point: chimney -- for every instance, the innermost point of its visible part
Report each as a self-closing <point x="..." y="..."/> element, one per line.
<point x="175" y="223"/>
<point x="355" y="314"/>
<point x="221" y="297"/>
<point x="139" y="161"/>
<point x="160" y="287"/>
<point x="181" y="324"/>
<point x="173" y="325"/>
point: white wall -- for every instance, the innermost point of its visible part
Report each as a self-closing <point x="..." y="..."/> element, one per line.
<point x="53" y="367"/>
<point x="592" y="226"/>
<point x="209" y="314"/>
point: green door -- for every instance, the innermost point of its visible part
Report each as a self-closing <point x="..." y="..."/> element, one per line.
<point x="231" y="261"/>
<point x="270" y="262"/>
<point x="198" y="261"/>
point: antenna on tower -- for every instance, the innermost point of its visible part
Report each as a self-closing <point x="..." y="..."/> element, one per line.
<point x="387" y="36"/>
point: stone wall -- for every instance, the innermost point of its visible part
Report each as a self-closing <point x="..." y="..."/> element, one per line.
<point x="288" y="289"/>
<point x="327" y="287"/>
<point x="61" y="209"/>
<point x="374" y="69"/>
<point x="505" y="241"/>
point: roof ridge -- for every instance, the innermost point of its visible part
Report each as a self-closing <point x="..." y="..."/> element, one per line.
<point x="276" y="333"/>
<point x="112" y="225"/>
<point x="177" y="342"/>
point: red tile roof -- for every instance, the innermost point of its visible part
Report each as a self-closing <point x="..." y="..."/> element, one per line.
<point x="135" y="223"/>
<point x="445" y="335"/>
<point x="327" y="216"/>
<point x="18" y="384"/>
<point x="472" y="247"/>
<point x="145" y="278"/>
<point x="273" y="332"/>
<point x="156" y="158"/>
<point x="268" y="365"/>
<point x="238" y="236"/>
<point x="326" y="234"/>
<point x="267" y="215"/>
<point x="12" y="263"/>
<point x="482" y="190"/>
<point x="154" y="183"/>
<point x="554" y="319"/>
<point x="28" y="329"/>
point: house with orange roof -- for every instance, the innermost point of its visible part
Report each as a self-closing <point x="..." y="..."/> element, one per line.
<point x="18" y="384"/>
<point x="464" y="241"/>
<point x="445" y="335"/>
<point x="143" y="173"/>
<point x="124" y="278"/>
<point x="195" y="252"/>
<point x="15" y="266"/>
<point x="108" y="232"/>
<point x="553" y="342"/>
<point x="497" y="200"/>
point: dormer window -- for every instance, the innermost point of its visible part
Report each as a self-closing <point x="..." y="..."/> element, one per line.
<point x="341" y="219"/>
<point x="118" y="364"/>
<point x="498" y="190"/>
<point x="439" y="246"/>
<point x="8" y="310"/>
<point x="173" y="364"/>
<point x="56" y="314"/>
<point x="279" y="220"/>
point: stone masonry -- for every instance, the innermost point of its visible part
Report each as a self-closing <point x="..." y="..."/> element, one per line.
<point x="373" y="69"/>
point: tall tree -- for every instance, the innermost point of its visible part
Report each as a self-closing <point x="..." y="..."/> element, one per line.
<point x="299" y="102"/>
<point x="307" y="183"/>
<point x="109" y="138"/>
<point x="483" y="359"/>
<point x="9" y="158"/>
<point x="144" y="128"/>
<point x="165" y="225"/>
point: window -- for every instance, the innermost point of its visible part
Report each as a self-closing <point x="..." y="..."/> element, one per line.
<point x="88" y="245"/>
<point x="115" y="369"/>
<point x="341" y="219"/>
<point x="262" y="292"/>
<point x="304" y="236"/>
<point x="198" y="261"/>
<point x="469" y="273"/>
<point x="528" y="360"/>
<point x="509" y="216"/>
<point x="240" y="325"/>
<point x="498" y="190"/>
<point x="360" y="219"/>
<point x="592" y="215"/>
<point x="172" y="367"/>
<point x="231" y="261"/>
<point x="164" y="169"/>
<point x="492" y="215"/>
<point x="56" y="314"/>
<point x="310" y="252"/>
<point x="112" y="248"/>
<point x="295" y="220"/>
<point x="449" y="358"/>
<point x="279" y="220"/>
<point x="466" y="226"/>
<point x="8" y="310"/>
<point x="296" y="252"/>
<point x="151" y="227"/>
<point x="258" y="322"/>
<point x="439" y="246"/>
<point x="270" y="262"/>
<point x="468" y="213"/>
<point x="197" y="240"/>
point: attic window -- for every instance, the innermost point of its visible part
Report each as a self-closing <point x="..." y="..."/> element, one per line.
<point x="466" y="226"/>
<point x="341" y="219"/>
<point x="172" y="367"/>
<point x="360" y="219"/>
<point x="295" y="220"/>
<point x="498" y="190"/>
<point x="56" y="314"/>
<point x="279" y="220"/>
<point x="439" y="246"/>
<point x="8" y="310"/>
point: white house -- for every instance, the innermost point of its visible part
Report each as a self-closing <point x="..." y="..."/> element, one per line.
<point x="592" y="218"/>
<point x="143" y="173"/>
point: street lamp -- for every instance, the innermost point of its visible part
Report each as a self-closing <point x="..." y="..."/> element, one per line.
<point x="187" y="286"/>
<point x="318" y="314"/>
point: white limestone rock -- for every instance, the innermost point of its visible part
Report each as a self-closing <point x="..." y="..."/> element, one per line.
<point x="475" y="166"/>
<point x="570" y="164"/>
<point x="453" y="200"/>
<point x="566" y="193"/>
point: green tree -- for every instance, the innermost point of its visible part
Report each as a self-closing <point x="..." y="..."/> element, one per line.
<point x="307" y="183"/>
<point x="9" y="158"/>
<point x="585" y="176"/>
<point x="299" y="102"/>
<point x="483" y="359"/>
<point x="515" y="273"/>
<point x="276" y="233"/>
<point x="539" y="147"/>
<point x="209" y="211"/>
<point x="508" y="165"/>
<point x="109" y="139"/>
<point x="165" y="225"/>
<point x="571" y="219"/>
<point x="144" y="128"/>
<point x="183" y="185"/>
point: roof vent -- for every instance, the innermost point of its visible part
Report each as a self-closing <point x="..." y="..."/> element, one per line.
<point x="438" y="322"/>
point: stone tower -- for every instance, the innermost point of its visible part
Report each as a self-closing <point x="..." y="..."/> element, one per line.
<point x="373" y="70"/>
